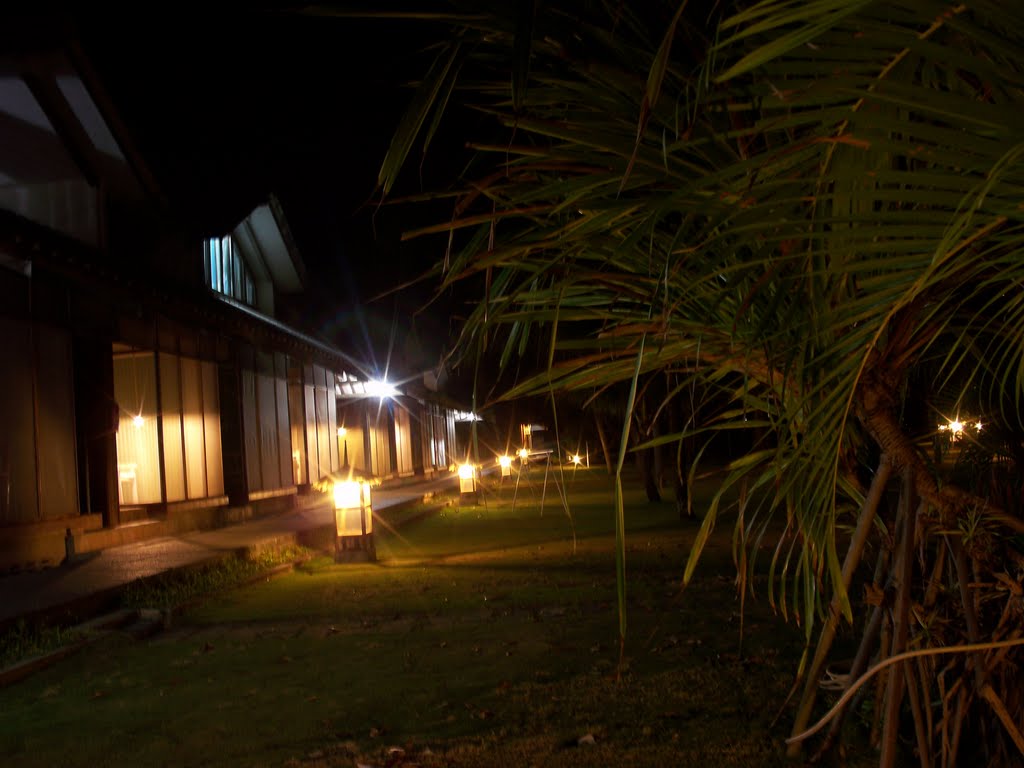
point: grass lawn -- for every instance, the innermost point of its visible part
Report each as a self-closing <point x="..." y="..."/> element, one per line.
<point x="485" y="636"/>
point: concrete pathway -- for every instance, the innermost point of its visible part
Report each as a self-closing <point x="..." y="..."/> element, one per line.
<point x="90" y="584"/>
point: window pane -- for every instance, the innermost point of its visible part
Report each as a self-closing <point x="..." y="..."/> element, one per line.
<point x="226" y="265"/>
<point x="195" y="443"/>
<point x="211" y="421"/>
<point x="137" y="450"/>
<point x="170" y="396"/>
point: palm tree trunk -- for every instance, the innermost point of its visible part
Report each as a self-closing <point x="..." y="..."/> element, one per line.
<point x="828" y="631"/>
<point x="901" y="628"/>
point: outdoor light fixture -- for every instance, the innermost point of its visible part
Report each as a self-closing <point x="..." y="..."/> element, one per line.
<point x="381" y="389"/>
<point x="138" y="421"/>
<point x="957" y="429"/>
<point x="505" y="462"/>
<point x="467" y="478"/>
<point x="523" y="454"/>
<point x="353" y="519"/>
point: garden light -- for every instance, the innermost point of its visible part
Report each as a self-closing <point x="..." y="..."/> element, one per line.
<point x="467" y="478"/>
<point x="353" y="519"/>
<point x="505" y="462"/>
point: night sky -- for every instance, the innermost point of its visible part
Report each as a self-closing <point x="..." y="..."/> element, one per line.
<point x="227" y="109"/>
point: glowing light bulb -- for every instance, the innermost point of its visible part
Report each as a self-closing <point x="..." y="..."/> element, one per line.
<point x="138" y="421"/>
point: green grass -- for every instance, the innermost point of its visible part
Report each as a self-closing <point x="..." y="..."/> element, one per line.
<point x="484" y="637"/>
<point x="182" y="586"/>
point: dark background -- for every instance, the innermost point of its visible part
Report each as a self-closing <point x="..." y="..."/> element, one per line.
<point x="229" y="108"/>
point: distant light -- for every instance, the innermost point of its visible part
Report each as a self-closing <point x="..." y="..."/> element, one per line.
<point x="342" y="431"/>
<point x="381" y="389"/>
<point x="505" y="461"/>
<point x="138" y="421"/>
<point x="977" y="426"/>
<point x="956" y="426"/>
<point x="576" y="459"/>
<point x="523" y="454"/>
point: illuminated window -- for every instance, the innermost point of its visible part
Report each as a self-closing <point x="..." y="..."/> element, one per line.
<point x="226" y="271"/>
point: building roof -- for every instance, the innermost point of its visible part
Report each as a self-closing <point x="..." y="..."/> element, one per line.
<point x="271" y="253"/>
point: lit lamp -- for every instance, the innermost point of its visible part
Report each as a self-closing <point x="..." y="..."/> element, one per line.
<point x="353" y="518"/>
<point x="505" y="462"/>
<point x="523" y="454"/>
<point x="576" y="460"/>
<point x="467" y="483"/>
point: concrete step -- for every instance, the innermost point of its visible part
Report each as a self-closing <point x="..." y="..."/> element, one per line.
<point x="129" y="533"/>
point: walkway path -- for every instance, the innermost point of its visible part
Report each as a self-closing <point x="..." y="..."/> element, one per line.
<point x="90" y="584"/>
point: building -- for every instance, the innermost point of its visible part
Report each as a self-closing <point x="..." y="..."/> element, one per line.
<point x="148" y="387"/>
<point x="389" y="431"/>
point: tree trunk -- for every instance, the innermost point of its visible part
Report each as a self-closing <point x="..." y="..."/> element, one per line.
<point x="828" y="631"/>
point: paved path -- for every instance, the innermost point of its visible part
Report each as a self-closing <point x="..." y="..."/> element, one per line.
<point x="91" y="582"/>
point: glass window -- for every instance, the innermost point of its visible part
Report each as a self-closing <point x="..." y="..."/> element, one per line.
<point x="226" y="271"/>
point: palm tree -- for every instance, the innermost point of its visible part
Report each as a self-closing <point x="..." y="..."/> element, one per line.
<point x="814" y="212"/>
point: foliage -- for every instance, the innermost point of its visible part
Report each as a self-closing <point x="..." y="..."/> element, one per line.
<point x="811" y="213"/>
<point x="24" y="640"/>
<point x="185" y="585"/>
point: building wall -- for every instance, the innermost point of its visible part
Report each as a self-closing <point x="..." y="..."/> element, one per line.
<point x="403" y="440"/>
<point x="38" y="473"/>
<point x="321" y="422"/>
<point x="265" y="409"/>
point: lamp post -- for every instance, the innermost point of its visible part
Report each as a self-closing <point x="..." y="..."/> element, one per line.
<point x="353" y="518"/>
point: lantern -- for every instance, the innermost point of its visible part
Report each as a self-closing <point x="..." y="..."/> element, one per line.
<point x="505" y="462"/>
<point x="353" y="518"/>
